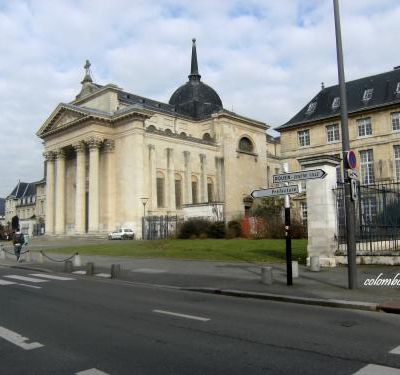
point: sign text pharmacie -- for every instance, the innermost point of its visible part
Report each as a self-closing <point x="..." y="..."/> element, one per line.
<point x="284" y="190"/>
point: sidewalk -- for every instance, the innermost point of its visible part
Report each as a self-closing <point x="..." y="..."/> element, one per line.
<point x="328" y="287"/>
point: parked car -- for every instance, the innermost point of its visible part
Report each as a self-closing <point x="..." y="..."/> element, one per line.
<point x="122" y="234"/>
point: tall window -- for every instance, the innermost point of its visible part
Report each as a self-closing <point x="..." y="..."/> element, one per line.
<point x="396" y="121"/>
<point x="368" y="210"/>
<point x="178" y="191"/>
<point x="210" y="190"/>
<point x="367" y="167"/>
<point x="303" y="212"/>
<point x="194" y="190"/>
<point x="396" y="150"/>
<point x="304" y="137"/>
<point x="332" y="133"/>
<point x="364" y="127"/>
<point x="160" y="190"/>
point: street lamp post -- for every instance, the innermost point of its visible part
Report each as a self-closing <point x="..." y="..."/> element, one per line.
<point x="144" y="202"/>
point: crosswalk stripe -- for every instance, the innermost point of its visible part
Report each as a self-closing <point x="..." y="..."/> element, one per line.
<point x="91" y="371"/>
<point x="5" y="282"/>
<point x="24" y="278"/>
<point x="105" y="275"/>
<point x="52" y="277"/>
<point x="376" y="369"/>
<point x="17" y="339"/>
<point x="80" y="272"/>
<point x="29" y="286"/>
<point x="395" y="350"/>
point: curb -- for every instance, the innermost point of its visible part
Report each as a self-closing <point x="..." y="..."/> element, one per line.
<point x="357" y="305"/>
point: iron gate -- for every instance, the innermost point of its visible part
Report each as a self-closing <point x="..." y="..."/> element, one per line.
<point x="159" y="227"/>
<point x="377" y="218"/>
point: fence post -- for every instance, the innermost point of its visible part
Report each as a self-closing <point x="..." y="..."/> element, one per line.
<point x="266" y="275"/>
<point x="77" y="260"/>
<point x="115" y="271"/>
<point x="68" y="266"/>
<point x="90" y="269"/>
<point x="2" y="253"/>
<point x="41" y="259"/>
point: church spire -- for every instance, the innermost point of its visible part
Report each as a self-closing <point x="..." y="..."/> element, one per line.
<point x="194" y="70"/>
<point x="88" y="87"/>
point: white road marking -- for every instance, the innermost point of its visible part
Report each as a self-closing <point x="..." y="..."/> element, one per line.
<point x="5" y="282"/>
<point x="80" y="272"/>
<point x="105" y="275"/>
<point x="52" y="277"/>
<point x="395" y="350"/>
<point x="148" y="270"/>
<point x="376" y="369"/>
<point x="24" y="278"/>
<point x="92" y="371"/>
<point x="30" y="286"/>
<point x="18" y="340"/>
<point x="182" y="315"/>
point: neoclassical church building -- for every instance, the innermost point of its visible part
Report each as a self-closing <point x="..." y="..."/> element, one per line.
<point x="108" y="149"/>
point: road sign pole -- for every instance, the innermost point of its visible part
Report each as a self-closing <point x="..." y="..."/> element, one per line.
<point x="288" y="236"/>
<point x="349" y="203"/>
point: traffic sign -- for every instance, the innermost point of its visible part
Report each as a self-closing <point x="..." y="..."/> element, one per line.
<point x="284" y="190"/>
<point x="298" y="176"/>
<point x="351" y="159"/>
<point x="351" y="173"/>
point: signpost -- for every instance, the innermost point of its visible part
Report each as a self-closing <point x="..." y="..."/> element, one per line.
<point x="292" y="189"/>
<point x="299" y="176"/>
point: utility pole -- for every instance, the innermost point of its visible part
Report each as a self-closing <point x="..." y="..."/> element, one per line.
<point x="349" y="203"/>
<point x="288" y="234"/>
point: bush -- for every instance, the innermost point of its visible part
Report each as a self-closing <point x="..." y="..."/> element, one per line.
<point x="234" y="229"/>
<point x="198" y="228"/>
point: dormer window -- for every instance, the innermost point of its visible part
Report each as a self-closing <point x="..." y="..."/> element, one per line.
<point x="397" y="88"/>
<point x="367" y="94"/>
<point x="311" y="108"/>
<point x="336" y="102"/>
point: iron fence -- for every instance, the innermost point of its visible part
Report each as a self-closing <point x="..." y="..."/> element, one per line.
<point x="159" y="227"/>
<point x="377" y="218"/>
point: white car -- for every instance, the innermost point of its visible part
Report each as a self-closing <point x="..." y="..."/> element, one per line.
<point x="122" y="234"/>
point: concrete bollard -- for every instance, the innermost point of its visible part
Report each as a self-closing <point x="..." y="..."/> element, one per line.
<point x="295" y="269"/>
<point x="266" y="275"/>
<point x="115" y="271"/>
<point x="68" y="266"/>
<point x="314" y="264"/>
<point x="90" y="269"/>
<point x="77" y="260"/>
<point x="41" y="259"/>
<point x="2" y="254"/>
<point x="28" y="256"/>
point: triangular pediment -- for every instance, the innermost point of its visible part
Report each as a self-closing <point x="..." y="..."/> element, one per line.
<point x="62" y="117"/>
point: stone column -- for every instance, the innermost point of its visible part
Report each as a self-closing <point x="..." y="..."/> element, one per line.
<point x="321" y="210"/>
<point x="203" y="179"/>
<point x="109" y="148"/>
<point x="188" y="178"/>
<point x="152" y="183"/>
<point x="50" y="191"/>
<point x="80" y="199"/>
<point x="60" y="193"/>
<point x="94" y="198"/>
<point x="171" y="204"/>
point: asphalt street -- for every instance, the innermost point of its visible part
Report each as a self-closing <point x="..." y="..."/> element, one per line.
<point x="80" y="325"/>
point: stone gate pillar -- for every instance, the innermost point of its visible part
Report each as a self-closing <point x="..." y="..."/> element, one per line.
<point x="321" y="209"/>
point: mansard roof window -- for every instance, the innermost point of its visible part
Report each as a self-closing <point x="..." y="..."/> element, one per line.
<point x="336" y="103"/>
<point x="367" y="94"/>
<point x="397" y="92"/>
<point x="311" y="108"/>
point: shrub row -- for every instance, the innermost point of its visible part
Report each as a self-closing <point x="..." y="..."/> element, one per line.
<point x="197" y="228"/>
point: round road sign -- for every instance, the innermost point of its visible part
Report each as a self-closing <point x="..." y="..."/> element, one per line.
<point x="351" y="159"/>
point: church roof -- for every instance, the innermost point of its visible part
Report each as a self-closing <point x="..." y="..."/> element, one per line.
<point x="195" y="98"/>
<point x="362" y="94"/>
<point x="2" y="206"/>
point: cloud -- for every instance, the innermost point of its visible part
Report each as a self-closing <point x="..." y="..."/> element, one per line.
<point x="266" y="58"/>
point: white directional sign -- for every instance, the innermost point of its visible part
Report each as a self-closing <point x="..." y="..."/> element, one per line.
<point x="284" y="190"/>
<point x="298" y="176"/>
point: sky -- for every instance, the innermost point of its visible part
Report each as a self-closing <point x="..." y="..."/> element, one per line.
<point x="265" y="58"/>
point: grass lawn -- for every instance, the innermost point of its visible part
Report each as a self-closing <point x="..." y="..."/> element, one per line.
<point x="210" y="249"/>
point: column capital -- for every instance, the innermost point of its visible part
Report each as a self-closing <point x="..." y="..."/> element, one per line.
<point x="94" y="143"/>
<point x="60" y="154"/>
<point x="49" y="155"/>
<point x="109" y="145"/>
<point x="151" y="147"/>
<point x="79" y="146"/>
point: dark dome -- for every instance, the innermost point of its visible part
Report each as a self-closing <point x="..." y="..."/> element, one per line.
<point x="195" y="98"/>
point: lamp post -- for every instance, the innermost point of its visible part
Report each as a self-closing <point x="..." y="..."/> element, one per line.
<point x="144" y="202"/>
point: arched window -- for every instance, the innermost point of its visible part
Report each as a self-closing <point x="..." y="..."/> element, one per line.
<point x="245" y="144"/>
<point x="160" y="190"/>
<point x="183" y="135"/>
<point x="210" y="189"/>
<point x="178" y="190"/>
<point x="168" y="131"/>
<point x="207" y="137"/>
<point x="151" y="128"/>
<point x="195" y="189"/>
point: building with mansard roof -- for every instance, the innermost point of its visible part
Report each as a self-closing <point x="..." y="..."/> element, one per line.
<point x="108" y="149"/>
